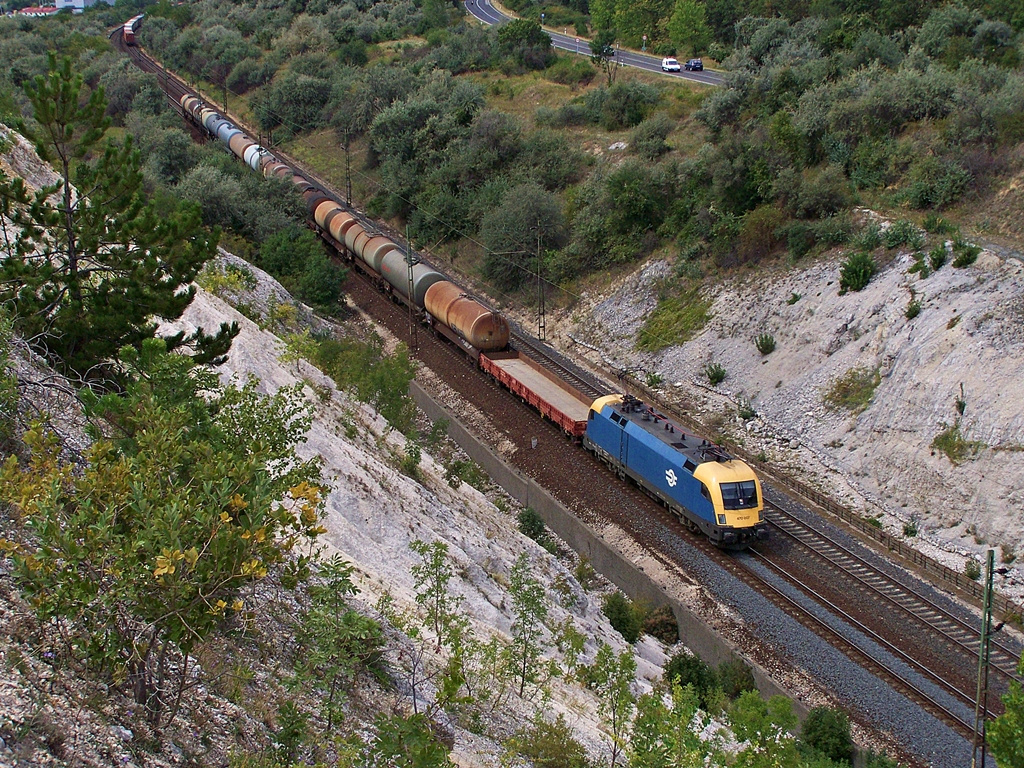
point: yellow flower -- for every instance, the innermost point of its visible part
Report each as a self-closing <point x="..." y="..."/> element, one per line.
<point x="238" y="604"/>
<point x="191" y="556"/>
<point x="260" y="535"/>
<point x="237" y="503"/>
<point x="225" y="517"/>
<point x="218" y="607"/>
<point x="164" y="565"/>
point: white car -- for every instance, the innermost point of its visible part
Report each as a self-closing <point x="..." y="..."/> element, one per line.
<point x="670" y="65"/>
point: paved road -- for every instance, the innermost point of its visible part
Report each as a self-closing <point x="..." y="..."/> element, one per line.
<point x="488" y="14"/>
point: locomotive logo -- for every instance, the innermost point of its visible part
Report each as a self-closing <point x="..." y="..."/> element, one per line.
<point x="670" y="478"/>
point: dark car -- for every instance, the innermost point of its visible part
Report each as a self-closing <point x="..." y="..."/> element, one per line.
<point x="694" y="65"/>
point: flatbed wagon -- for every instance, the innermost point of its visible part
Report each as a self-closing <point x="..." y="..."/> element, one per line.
<point x="555" y="399"/>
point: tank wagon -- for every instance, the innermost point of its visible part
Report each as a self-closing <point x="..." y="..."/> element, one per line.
<point x="131" y="27"/>
<point x="447" y="307"/>
<point x="709" y="490"/>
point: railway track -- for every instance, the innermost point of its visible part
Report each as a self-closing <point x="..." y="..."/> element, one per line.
<point x="911" y="602"/>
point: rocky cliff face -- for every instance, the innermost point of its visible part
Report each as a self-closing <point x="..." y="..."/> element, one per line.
<point x="881" y="460"/>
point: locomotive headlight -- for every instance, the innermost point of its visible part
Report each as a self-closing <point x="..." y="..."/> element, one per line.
<point x="760" y="516"/>
<point x="721" y="519"/>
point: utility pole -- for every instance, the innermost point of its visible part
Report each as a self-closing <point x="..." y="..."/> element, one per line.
<point x="541" y="320"/>
<point x="348" y="170"/>
<point x="981" y="698"/>
<point x="411" y="260"/>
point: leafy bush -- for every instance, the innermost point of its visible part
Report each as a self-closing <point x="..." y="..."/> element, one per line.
<point x="937" y="256"/>
<point x="550" y="744"/>
<point x="735" y="677"/>
<point x="827" y="730"/>
<point x="910" y="529"/>
<point x="648" y="138"/>
<point x="972" y="569"/>
<point x="532" y="524"/>
<point x="913" y="308"/>
<point x="965" y="253"/>
<point x="765" y="343"/>
<point x="833" y="230"/>
<point x="623" y="615"/>
<point x="687" y="669"/>
<point x="571" y="71"/>
<point x="937" y="225"/>
<point x="869" y="238"/>
<point x="856" y="272"/>
<point x="715" y="372"/>
<point x="800" y="238"/>
<point x="936" y="183"/>
<point x="903" y="232"/>
<point x="854" y="389"/>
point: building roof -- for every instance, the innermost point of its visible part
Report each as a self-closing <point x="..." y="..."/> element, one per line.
<point x="38" y="10"/>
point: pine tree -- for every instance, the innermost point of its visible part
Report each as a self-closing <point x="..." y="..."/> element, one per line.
<point x="91" y="263"/>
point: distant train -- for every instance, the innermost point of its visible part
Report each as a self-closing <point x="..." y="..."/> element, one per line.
<point x="708" y="489"/>
<point x="131" y="27"/>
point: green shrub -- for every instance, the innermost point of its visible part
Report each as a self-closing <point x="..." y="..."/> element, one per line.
<point x="648" y="138"/>
<point x="936" y="183"/>
<point x="937" y="225"/>
<point x="903" y="232"/>
<point x="745" y="410"/>
<point x="913" y="309"/>
<point x="827" y="730"/>
<point x="920" y="266"/>
<point x="550" y="745"/>
<point x="735" y="677"/>
<point x="856" y="272"/>
<point x="793" y="299"/>
<point x="531" y="524"/>
<point x="765" y="343"/>
<point x="623" y="615"/>
<point x="687" y="669"/>
<point x="869" y="238"/>
<point x="715" y="372"/>
<point x="964" y="253"/>
<point x="854" y="390"/>
<point x="910" y="529"/>
<point x="799" y="237"/>
<point x="972" y="569"/>
<point x="937" y="256"/>
<point x="833" y="230"/>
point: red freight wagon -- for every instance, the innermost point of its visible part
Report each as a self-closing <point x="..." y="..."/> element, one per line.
<point x="554" y="398"/>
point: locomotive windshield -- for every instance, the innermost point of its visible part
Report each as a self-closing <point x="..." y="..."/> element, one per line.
<point x="739" y="495"/>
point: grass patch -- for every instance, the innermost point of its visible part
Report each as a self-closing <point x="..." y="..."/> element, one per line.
<point x="676" y="320"/>
<point x="957" y="448"/>
<point x="854" y="390"/>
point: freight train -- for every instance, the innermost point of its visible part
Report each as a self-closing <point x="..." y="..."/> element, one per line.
<point x="130" y="28"/>
<point x="708" y="489"/>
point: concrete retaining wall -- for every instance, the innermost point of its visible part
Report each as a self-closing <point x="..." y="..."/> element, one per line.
<point x="606" y="560"/>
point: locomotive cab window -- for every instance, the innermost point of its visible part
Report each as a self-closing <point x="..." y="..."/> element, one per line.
<point x="739" y="495"/>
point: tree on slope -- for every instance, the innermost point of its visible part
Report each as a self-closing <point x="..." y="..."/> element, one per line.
<point x="90" y="262"/>
<point x="189" y="496"/>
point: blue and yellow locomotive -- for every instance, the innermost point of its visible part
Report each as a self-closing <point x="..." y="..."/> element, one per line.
<point x="708" y="489"/>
